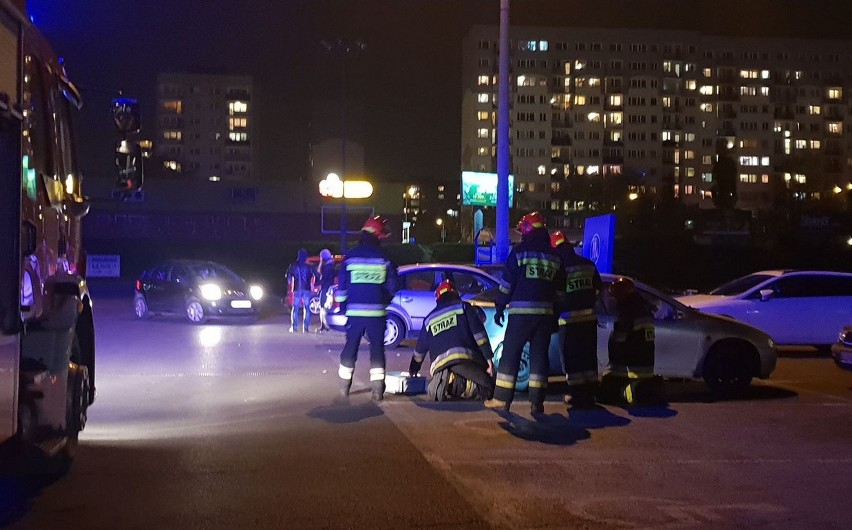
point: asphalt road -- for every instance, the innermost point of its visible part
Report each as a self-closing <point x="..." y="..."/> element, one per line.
<point x="234" y="426"/>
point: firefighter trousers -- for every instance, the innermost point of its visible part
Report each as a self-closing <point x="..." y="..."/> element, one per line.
<point x="374" y="329"/>
<point x="579" y="341"/>
<point x="463" y="380"/>
<point x="520" y="330"/>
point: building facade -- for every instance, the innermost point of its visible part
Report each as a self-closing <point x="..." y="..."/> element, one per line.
<point x="204" y="127"/>
<point x="655" y="109"/>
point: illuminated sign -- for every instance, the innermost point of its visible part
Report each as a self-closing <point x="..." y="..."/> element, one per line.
<point x="480" y="189"/>
<point x="333" y="187"/>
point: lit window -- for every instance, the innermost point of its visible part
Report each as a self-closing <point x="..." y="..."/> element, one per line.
<point x="441" y="188"/>
<point x="482" y="115"/>
<point x="815" y="144"/>
<point x="482" y="80"/>
<point x="593" y="170"/>
<point x="764" y="91"/>
<point x="814" y="109"/>
<point x="173" y="105"/>
<point x="764" y="74"/>
<point x="616" y="100"/>
<point x="594" y="117"/>
<point x="579" y="100"/>
<point x="614" y="118"/>
<point x="482" y="151"/>
<point x="482" y="133"/>
<point x="237" y="107"/>
<point x="706" y="90"/>
<point x="834" y="127"/>
<point x="594" y="81"/>
<point x="172" y="135"/>
<point x="483" y="98"/>
<point x="764" y="178"/>
<point x="706" y="107"/>
<point x="543" y="45"/>
<point x="172" y="165"/>
<point x="238" y="136"/>
<point x="237" y="123"/>
<point x="691" y="84"/>
<point x="708" y="72"/>
<point x="764" y="161"/>
<point x="835" y="93"/>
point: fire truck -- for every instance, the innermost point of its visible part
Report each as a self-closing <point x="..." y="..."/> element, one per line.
<point x="47" y="339"/>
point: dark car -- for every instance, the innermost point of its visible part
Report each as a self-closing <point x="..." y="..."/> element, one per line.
<point x="195" y="289"/>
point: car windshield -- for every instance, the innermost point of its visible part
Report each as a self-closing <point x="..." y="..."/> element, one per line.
<point x="212" y="271"/>
<point x="741" y="285"/>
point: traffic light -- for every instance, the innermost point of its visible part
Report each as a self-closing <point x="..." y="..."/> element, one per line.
<point x="128" y="164"/>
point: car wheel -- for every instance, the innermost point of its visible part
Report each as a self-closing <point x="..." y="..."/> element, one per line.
<point x="195" y="311"/>
<point x="140" y="307"/>
<point x="522" y="382"/>
<point x="315" y="305"/>
<point x="729" y="367"/>
<point x="394" y="331"/>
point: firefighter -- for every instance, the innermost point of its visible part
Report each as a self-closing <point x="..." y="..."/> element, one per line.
<point x="630" y="379"/>
<point x="458" y="347"/>
<point x="532" y="277"/>
<point x="578" y="334"/>
<point x="300" y="280"/>
<point x="366" y="283"/>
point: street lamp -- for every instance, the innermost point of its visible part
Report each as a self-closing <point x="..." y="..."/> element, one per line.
<point x="343" y="49"/>
<point x="440" y="223"/>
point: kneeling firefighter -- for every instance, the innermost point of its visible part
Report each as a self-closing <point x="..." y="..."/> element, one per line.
<point x="630" y="379"/>
<point x="455" y="339"/>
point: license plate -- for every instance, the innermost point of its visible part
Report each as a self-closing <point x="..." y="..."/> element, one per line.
<point x="241" y="304"/>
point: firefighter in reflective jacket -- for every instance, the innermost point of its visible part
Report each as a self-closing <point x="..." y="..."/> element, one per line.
<point x="578" y="333"/>
<point x="630" y="379"/>
<point x="533" y="275"/>
<point x="459" y="350"/>
<point x="366" y="284"/>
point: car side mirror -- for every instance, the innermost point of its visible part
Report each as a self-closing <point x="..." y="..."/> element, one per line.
<point x="766" y="294"/>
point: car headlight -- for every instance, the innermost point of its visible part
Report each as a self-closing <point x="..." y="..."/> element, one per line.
<point x="211" y="291"/>
<point x="256" y="292"/>
<point x="771" y="344"/>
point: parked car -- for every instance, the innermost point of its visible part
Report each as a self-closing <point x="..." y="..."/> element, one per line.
<point x="195" y="289"/>
<point x="793" y="307"/>
<point x="841" y="350"/>
<point x="416" y="297"/>
<point x="689" y="344"/>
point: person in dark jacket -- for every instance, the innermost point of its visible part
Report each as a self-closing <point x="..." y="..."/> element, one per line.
<point x="533" y="276"/>
<point x="300" y="280"/>
<point x="455" y="340"/>
<point x="366" y="284"/>
<point x="326" y="272"/>
<point x="630" y="379"/>
<point x="578" y="324"/>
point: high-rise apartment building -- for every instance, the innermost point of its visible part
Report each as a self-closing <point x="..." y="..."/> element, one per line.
<point x="654" y="107"/>
<point x="204" y="125"/>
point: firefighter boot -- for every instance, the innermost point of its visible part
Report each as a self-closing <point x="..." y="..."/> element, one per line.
<point x="378" y="390"/>
<point x="345" y="385"/>
<point x="496" y="405"/>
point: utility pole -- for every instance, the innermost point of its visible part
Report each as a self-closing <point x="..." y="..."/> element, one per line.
<point x="503" y="159"/>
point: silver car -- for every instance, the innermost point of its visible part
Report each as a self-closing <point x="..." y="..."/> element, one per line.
<point x="416" y="297"/>
<point x="689" y="344"/>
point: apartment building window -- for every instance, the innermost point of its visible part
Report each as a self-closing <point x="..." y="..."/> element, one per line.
<point x="594" y="117"/>
<point x="237" y="107"/>
<point x="691" y="84"/>
<point x="835" y="93"/>
<point x="237" y="123"/>
<point x="482" y="151"/>
<point x="706" y="90"/>
<point x="707" y="160"/>
<point x="484" y="44"/>
<point x="482" y="115"/>
<point x="594" y="81"/>
<point x="172" y="165"/>
<point x="749" y="74"/>
<point x="834" y="127"/>
<point x="614" y="118"/>
<point x="238" y="136"/>
<point x="483" y="133"/>
<point x="173" y="105"/>
<point x="483" y="98"/>
<point x="483" y="80"/>
<point x="172" y="135"/>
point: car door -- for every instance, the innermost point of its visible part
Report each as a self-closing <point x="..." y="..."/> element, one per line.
<point x="154" y="286"/>
<point x="416" y="296"/>
<point x="178" y="288"/>
<point x="467" y="284"/>
<point x="785" y="309"/>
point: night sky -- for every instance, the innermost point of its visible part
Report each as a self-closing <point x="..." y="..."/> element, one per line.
<point x="409" y="78"/>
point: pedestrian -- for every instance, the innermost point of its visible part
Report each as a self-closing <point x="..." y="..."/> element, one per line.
<point x="630" y="379"/>
<point x="458" y="348"/>
<point x="366" y="284"/>
<point x="326" y="272"/>
<point x="532" y="276"/>
<point x="578" y="324"/>
<point x="300" y="281"/>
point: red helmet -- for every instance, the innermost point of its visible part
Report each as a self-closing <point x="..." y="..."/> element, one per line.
<point x="445" y="287"/>
<point x="530" y="222"/>
<point x="621" y="288"/>
<point x="557" y="238"/>
<point x="377" y="226"/>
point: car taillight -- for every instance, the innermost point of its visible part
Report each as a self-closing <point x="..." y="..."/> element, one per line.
<point x="138" y="286"/>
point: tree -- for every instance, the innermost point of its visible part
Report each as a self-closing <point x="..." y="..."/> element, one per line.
<point x="725" y="182"/>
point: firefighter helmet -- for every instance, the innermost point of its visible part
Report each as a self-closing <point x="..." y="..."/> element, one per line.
<point x="377" y="226"/>
<point x="530" y="222"/>
<point x="557" y="238"/>
<point x="621" y="288"/>
<point x="445" y="287"/>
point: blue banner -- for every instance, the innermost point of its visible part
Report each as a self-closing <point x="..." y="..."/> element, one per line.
<point x="599" y="240"/>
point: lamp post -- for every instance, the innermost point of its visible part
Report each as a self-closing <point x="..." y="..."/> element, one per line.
<point x="440" y="223"/>
<point x="343" y="49"/>
<point x="503" y="161"/>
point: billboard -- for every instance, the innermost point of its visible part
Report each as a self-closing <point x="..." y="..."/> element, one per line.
<point x="598" y="240"/>
<point x="480" y="189"/>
